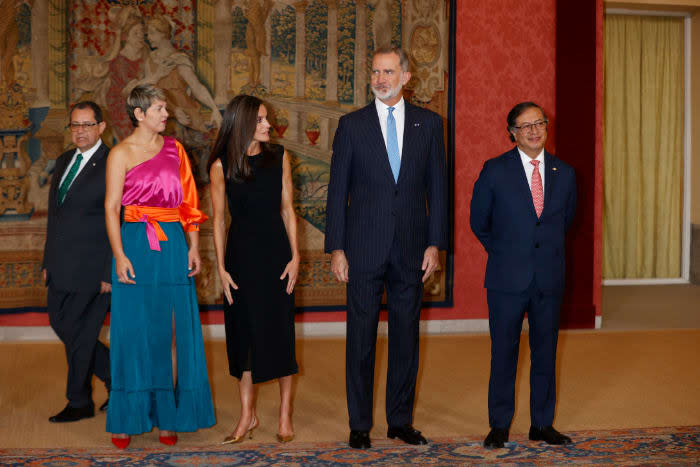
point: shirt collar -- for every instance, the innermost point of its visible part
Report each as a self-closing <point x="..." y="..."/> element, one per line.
<point x="384" y="109"/>
<point x="526" y="159"/>
<point x="88" y="154"/>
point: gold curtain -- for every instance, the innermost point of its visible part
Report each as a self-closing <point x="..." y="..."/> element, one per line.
<point x="643" y="144"/>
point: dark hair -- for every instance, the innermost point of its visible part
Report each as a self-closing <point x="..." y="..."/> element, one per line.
<point x="142" y="97"/>
<point x="88" y="105"/>
<point x="390" y="49"/>
<point x="235" y="136"/>
<point x="516" y="111"/>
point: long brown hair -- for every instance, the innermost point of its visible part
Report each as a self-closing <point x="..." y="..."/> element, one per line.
<point x="235" y="136"/>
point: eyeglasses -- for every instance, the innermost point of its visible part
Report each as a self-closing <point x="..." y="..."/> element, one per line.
<point x="530" y="127"/>
<point x="75" y="126"/>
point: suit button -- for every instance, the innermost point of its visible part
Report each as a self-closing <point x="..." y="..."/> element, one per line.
<point x="396" y="192"/>
<point x="537" y="223"/>
<point x="537" y="245"/>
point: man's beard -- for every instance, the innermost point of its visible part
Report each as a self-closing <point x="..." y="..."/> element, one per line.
<point x="388" y="94"/>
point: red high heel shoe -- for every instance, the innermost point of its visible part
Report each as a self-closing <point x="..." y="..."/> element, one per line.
<point x="168" y="440"/>
<point x="121" y="443"/>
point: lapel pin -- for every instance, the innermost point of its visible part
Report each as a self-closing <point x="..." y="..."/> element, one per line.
<point x="416" y="124"/>
<point x="93" y="164"/>
<point x="554" y="168"/>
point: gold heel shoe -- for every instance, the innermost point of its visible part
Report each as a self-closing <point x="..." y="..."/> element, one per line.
<point x="285" y="438"/>
<point x="231" y="439"/>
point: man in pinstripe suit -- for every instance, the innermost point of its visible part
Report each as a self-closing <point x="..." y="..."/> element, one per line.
<point x="386" y="218"/>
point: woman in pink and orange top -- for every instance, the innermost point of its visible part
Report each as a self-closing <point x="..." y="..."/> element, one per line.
<point x="159" y="373"/>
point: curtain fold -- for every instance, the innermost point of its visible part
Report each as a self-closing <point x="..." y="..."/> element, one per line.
<point x="643" y="147"/>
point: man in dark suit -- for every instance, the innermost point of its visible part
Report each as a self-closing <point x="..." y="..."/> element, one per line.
<point x="386" y="218"/>
<point x="523" y="204"/>
<point x="77" y="260"/>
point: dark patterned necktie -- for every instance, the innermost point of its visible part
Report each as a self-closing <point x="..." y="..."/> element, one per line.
<point x="63" y="189"/>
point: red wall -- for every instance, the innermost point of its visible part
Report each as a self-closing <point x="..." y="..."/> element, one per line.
<point x="505" y="55"/>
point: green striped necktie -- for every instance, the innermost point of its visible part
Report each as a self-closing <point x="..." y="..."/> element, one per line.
<point x="63" y="189"/>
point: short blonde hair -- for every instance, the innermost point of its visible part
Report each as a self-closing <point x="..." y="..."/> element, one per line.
<point x="142" y="97"/>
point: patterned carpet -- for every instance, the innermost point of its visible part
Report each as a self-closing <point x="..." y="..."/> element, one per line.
<point x="651" y="446"/>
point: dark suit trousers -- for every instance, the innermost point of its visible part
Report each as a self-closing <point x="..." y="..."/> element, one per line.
<point x="77" y="318"/>
<point x="506" y="314"/>
<point x="404" y="295"/>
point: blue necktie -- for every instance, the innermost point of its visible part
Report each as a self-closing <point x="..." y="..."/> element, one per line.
<point x="392" y="144"/>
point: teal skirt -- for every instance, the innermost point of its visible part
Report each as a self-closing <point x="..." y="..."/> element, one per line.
<point x="143" y="318"/>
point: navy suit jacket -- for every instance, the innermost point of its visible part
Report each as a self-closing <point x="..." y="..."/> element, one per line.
<point x="367" y="211"/>
<point x="520" y="246"/>
<point x="77" y="255"/>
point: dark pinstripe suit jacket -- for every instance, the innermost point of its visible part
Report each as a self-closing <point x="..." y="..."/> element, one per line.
<point x="367" y="212"/>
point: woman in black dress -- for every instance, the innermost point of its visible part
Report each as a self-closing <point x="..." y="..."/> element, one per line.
<point x="259" y="269"/>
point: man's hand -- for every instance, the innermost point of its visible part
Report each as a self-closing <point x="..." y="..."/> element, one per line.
<point x="339" y="265"/>
<point x="431" y="261"/>
<point x="105" y="287"/>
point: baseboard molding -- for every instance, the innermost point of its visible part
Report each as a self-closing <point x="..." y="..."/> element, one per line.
<point x="336" y="329"/>
<point x="216" y="331"/>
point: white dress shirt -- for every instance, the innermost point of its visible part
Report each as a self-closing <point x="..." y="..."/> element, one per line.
<point x="399" y="115"/>
<point x="529" y="168"/>
<point x="86" y="157"/>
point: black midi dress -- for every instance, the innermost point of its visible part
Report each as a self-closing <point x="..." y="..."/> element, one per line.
<point x="260" y="322"/>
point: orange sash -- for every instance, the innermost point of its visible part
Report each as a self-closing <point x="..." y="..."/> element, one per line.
<point x="151" y="215"/>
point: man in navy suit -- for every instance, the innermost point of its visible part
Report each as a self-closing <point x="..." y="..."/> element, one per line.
<point x="523" y="204"/>
<point x="77" y="260"/>
<point x="386" y="218"/>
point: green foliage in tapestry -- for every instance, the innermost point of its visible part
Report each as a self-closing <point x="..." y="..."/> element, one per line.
<point x="346" y="51"/>
<point x="284" y="34"/>
<point x="396" y="23"/>
<point x="316" y="46"/>
<point x="240" y="22"/>
<point x="24" y="23"/>
<point x="310" y="179"/>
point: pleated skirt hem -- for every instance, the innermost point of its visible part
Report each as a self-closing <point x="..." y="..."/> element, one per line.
<point x="136" y="412"/>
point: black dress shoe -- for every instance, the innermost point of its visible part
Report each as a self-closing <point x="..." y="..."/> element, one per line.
<point x="73" y="414"/>
<point x="104" y="406"/>
<point x="359" y="439"/>
<point x="407" y="434"/>
<point x="496" y="439"/>
<point x="549" y="435"/>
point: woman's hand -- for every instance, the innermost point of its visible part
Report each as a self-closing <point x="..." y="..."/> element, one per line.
<point x="228" y="284"/>
<point x="124" y="270"/>
<point x="194" y="262"/>
<point x="291" y="271"/>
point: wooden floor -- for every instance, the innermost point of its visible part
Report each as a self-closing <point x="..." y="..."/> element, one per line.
<point x="607" y="379"/>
